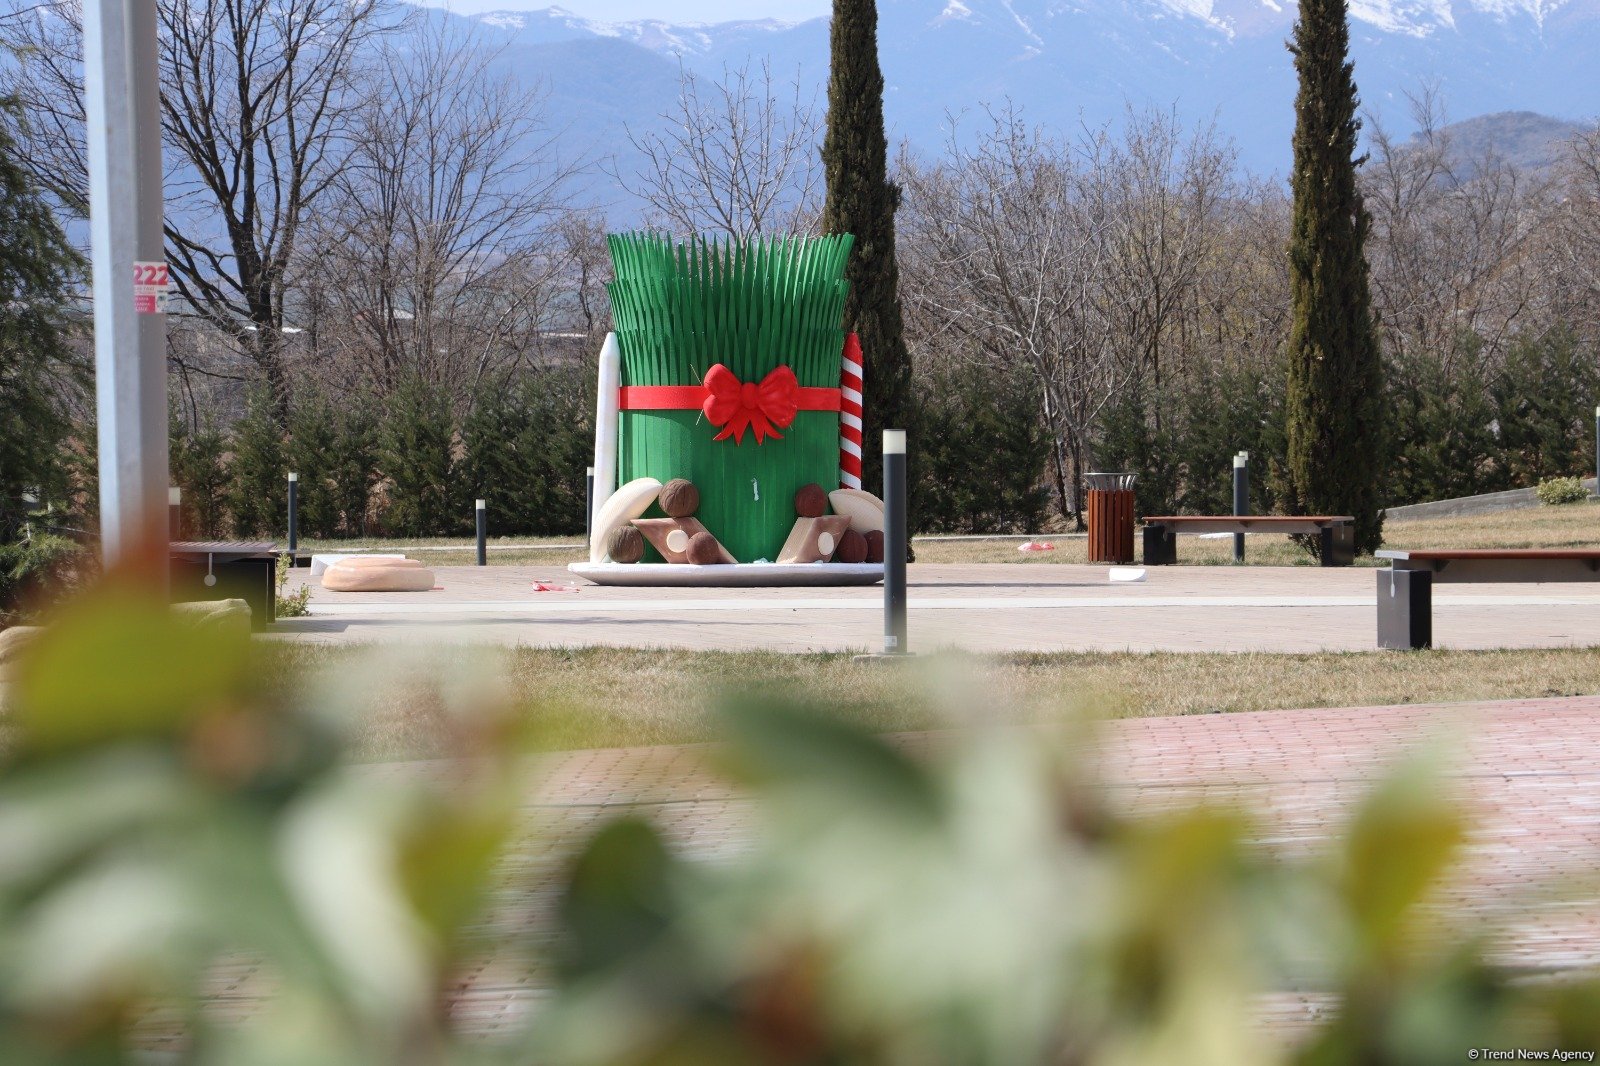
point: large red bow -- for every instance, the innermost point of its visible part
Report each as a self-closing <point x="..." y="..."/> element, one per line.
<point x="739" y="405"/>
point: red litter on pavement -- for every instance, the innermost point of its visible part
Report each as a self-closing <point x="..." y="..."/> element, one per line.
<point x="544" y="586"/>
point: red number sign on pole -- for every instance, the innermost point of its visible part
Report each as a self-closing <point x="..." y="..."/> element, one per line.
<point x="150" y="282"/>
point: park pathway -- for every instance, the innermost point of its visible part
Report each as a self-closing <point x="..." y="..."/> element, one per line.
<point x="1524" y="770"/>
<point x="981" y="608"/>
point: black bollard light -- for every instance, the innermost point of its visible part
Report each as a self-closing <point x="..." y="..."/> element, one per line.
<point x="483" y="533"/>
<point x="174" y="513"/>
<point x="294" y="517"/>
<point x="894" y="542"/>
<point x="1241" y="499"/>
<point x="588" y="505"/>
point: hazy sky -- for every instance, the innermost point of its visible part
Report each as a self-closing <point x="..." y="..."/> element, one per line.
<point x="670" y="10"/>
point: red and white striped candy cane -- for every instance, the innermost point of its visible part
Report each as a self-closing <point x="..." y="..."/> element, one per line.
<point x="850" y="378"/>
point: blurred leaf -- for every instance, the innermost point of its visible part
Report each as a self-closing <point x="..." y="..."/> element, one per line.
<point x="618" y="901"/>
<point x="773" y="743"/>
<point x="446" y="862"/>
<point x="1401" y="842"/>
<point x="120" y="665"/>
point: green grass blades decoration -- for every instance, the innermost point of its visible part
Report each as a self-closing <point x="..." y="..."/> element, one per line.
<point x="682" y="308"/>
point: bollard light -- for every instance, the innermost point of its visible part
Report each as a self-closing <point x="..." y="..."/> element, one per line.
<point x="1241" y="499"/>
<point x="895" y="640"/>
<point x="294" y="515"/>
<point x="483" y="532"/>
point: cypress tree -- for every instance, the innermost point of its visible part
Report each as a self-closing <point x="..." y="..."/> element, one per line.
<point x="1334" y="425"/>
<point x="313" y="453"/>
<point x="258" y="492"/>
<point x="862" y="201"/>
<point x="415" y="454"/>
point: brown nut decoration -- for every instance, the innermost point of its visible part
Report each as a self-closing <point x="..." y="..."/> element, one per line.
<point x="679" y="498"/>
<point x="852" y="548"/>
<point x="704" y="550"/>
<point x="810" y="501"/>
<point x="626" y="545"/>
<point x="875" y="546"/>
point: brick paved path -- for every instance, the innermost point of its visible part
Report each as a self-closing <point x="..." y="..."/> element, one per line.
<point x="992" y="608"/>
<point x="1524" y="769"/>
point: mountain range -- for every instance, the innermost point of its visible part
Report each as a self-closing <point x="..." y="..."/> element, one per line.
<point x="1069" y="62"/>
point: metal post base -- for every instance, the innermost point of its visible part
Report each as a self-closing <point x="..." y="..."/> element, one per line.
<point x="1405" y="609"/>
<point x="1338" y="547"/>
<point x="1160" y="545"/>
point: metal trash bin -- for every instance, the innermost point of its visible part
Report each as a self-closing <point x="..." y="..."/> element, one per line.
<point x="1110" y="517"/>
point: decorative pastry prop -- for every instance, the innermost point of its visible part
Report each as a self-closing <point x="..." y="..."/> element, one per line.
<point x="377" y="575"/>
<point x="814" y="540"/>
<point x="852" y="547"/>
<point x="875" y="546"/>
<point x="673" y="536"/>
<point x="679" y="498"/>
<point x="605" y="422"/>
<point x="626" y="545"/>
<point x="865" y="509"/>
<point x="811" y="501"/>
<point x="704" y="550"/>
<point x="627" y="503"/>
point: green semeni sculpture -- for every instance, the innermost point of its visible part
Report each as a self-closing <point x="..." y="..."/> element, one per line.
<point x="730" y="359"/>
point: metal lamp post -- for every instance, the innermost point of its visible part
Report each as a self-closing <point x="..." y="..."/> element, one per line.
<point x="1241" y="499"/>
<point x="123" y="113"/>
<point x="894" y="542"/>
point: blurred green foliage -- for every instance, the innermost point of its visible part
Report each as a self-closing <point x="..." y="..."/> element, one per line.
<point x="984" y="902"/>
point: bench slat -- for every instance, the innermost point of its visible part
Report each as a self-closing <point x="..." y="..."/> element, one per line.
<point x="1263" y="519"/>
<point x="1490" y="554"/>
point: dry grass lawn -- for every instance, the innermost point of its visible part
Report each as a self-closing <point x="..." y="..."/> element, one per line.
<point x="603" y="697"/>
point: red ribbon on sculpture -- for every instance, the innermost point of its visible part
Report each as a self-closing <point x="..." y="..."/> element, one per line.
<point x="735" y="406"/>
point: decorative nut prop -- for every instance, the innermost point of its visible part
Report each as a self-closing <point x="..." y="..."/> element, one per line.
<point x="865" y="509"/>
<point x="810" y="501"/>
<point x="704" y="550"/>
<point x="875" y="546"/>
<point x="852" y="548"/>
<point x="672" y="536"/>
<point x="813" y="540"/>
<point x="679" y="498"/>
<point x="626" y="545"/>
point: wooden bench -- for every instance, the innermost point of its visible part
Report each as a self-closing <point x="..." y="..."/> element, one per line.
<point x="1337" y="532"/>
<point x="1405" y="590"/>
<point x="246" y="570"/>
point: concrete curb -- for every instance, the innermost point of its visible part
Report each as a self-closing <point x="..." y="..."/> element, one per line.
<point x="1464" y="506"/>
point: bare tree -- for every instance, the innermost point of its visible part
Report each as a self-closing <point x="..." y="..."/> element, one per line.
<point x="1076" y="259"/>
<point x="1576" y="232"/>
<point x="427" y="258"/>
<point x="256" y="97"/>
<point x="735" y="156"/>
<point x="1451" y="251"/>
<point x="1158" y="190"/>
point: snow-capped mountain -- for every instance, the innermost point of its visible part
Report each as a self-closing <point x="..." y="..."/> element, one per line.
<point x="1073" y="61"/>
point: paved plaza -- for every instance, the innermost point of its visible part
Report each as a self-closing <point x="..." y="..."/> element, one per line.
<point x="980" y="608"/>
<point x="1524" y="770"/>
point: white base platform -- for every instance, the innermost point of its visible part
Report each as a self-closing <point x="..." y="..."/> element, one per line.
<point x="737" y="575"/>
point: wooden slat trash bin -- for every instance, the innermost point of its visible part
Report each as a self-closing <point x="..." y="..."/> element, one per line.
<point x="1110" y="517"/>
